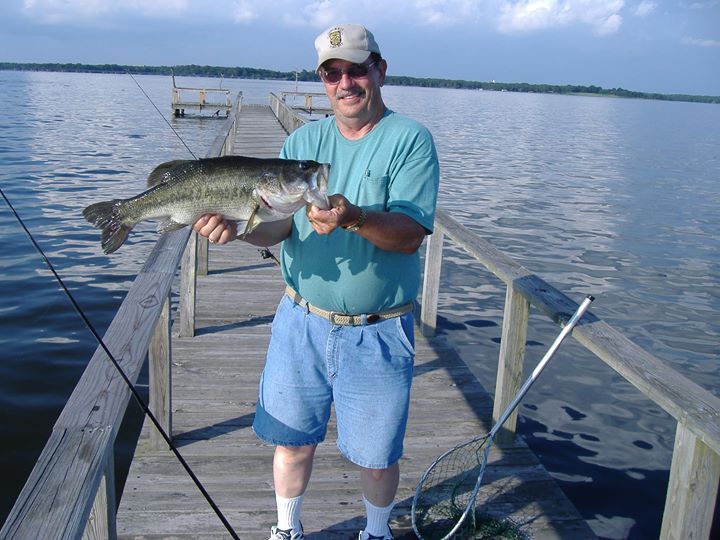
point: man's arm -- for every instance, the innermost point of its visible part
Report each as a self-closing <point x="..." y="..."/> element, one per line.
<point x="219" y="230"/>
<point x="390" y="231"/>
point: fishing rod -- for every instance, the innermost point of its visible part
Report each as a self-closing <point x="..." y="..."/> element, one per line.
<point x="122" y="373"/>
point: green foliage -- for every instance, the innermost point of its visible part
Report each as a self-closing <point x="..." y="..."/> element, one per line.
<point x="191" y="70"/>
<point x="310" y="76"/>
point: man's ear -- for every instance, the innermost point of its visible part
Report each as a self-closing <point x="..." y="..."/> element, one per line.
<point x="382" y="69"/>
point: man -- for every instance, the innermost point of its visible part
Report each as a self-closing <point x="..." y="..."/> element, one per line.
<point x="343" y="333"/>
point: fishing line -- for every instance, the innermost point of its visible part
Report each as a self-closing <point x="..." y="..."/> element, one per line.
<point x="161" y="114"/>
<point x="125" y="378"/>
<point x="266" y="253"/>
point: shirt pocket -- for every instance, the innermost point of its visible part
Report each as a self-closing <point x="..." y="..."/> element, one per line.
<point x="374" y="191"/>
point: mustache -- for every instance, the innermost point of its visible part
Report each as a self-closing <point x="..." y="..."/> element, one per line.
<point x="349" y="93"/>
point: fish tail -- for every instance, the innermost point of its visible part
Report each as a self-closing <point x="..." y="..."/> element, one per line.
<point x="106" y="216"/>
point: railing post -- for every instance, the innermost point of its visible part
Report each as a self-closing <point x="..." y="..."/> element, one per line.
<point x="692" y="489"/>
<point x="510" y="363"/>
<point x="102" y="522"/>
<point x="160" y="354"/>
<point x="202" y="255"/>
<point x="431" y="282"/>
<point x="188" y="284"/>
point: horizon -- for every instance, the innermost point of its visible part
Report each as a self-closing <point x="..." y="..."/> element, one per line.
<point x="638" y="45"/>
<point x="292" y="71"/>
<point x="508" y="83"/>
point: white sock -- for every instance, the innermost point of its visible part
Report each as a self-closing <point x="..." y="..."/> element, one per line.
<point x="377" y="519"/>
<point x="288" y="511"/>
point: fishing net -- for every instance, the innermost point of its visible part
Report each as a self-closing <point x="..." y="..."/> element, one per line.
<point x="444" y="504"/>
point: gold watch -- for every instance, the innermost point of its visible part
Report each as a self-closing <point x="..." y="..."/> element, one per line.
<point x="358" y="223"/>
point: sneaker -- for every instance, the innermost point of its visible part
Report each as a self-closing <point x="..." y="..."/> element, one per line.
<point x="373" y="537"/>
<point x="286" y="534"/>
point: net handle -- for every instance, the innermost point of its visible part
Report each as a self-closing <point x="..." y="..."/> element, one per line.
<point x="541" y="365"/>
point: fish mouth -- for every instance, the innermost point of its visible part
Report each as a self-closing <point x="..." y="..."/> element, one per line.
<point x="317" y="191"/>
<point x="266" y="201"/>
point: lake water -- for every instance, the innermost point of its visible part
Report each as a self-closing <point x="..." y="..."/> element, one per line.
<point x="617" y="198"/>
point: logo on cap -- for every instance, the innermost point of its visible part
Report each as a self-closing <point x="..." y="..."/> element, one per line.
<point x="335" y="36"/>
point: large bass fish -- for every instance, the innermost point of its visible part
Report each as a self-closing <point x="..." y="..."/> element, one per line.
<point x="250" y="190"/>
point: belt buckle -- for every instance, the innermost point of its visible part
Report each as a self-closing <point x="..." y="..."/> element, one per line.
<point x="331" y="317"/>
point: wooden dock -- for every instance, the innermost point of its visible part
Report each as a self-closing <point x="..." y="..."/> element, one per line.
<point x="214" y="386"/>
<point x="214" y="100"/>
<point x="223" y="315"/>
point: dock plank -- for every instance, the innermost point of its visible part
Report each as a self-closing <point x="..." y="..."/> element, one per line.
<point x="215" y="385"/>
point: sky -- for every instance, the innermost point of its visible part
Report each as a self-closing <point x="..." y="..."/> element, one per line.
<point x="665" y="46"/>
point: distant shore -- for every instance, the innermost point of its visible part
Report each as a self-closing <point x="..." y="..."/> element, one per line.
<point x="305" y="75"/>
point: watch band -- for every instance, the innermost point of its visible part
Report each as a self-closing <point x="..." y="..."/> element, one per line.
<point x="359" y="223"/>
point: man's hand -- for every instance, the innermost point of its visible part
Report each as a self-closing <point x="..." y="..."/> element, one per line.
<point x="390" y="231"/>
<point x="342" y="212"/>
<point x="216" y="228"/>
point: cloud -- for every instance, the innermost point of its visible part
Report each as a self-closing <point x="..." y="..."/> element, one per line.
<point x="701" y="42"/>
<point x="439" y="12"/>
<point x="645" y="8"/>
<point x="244" y="11"/>
<point x="509" y="16"/>
<point x="313" y="13"/>
<point x="322" y="13"/>
<point x="531" y="15"/>
<point x="61" y="11"/>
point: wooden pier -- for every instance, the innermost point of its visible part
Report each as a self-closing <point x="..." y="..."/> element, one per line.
<point x="217" y="101"/>
<point x="204" y="369"/>
<point x="215" y="387"/>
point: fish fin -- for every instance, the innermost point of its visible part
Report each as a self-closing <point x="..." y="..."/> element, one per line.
<point x="169" y="225"/>
<point x="106" y="216"/>
<point x="159" y="174"/>
<point x="251" y="222"/>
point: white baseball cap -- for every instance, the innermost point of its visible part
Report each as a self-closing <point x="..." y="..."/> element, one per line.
<point x="351" y="42"/>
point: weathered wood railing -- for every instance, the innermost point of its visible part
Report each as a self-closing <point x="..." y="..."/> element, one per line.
<point x="309" y="101"/>
<point x="218" y="99"/>
<point x="71" y="490"/>
<point x="695" y="467"/>
<point x="289" y="118"/>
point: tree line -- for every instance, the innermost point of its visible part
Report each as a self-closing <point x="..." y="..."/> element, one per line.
<point x="304" y="75"/>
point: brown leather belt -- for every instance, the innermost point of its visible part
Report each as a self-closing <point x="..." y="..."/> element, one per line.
<point x="344" y="319"/>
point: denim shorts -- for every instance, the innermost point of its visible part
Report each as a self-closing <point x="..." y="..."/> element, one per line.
<point x="365" y="370"/>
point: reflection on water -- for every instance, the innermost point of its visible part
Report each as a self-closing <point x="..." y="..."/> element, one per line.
<point x="611" y="197"/>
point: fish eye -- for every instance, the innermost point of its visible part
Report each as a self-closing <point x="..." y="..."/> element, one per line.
<point x="304" y="165"/>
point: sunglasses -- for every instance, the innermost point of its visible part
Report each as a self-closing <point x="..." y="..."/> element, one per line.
<point x="354" y="71"/>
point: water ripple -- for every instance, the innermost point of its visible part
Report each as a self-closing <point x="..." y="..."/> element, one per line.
<point x="612" y="197"/>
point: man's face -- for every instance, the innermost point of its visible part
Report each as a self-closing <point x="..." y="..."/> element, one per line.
<point x="356" y="98"/>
